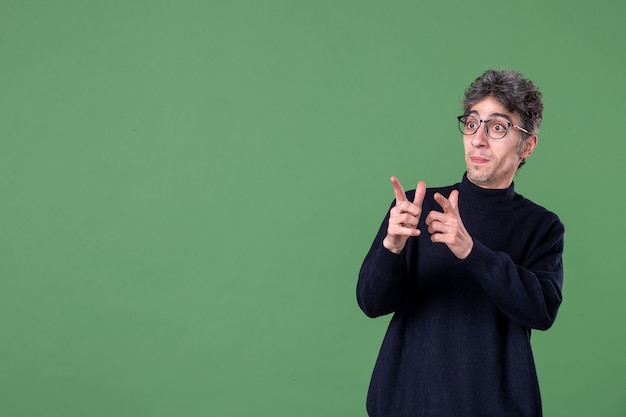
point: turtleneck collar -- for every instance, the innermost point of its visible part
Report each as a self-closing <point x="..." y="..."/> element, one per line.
<point x="472" y="195"/>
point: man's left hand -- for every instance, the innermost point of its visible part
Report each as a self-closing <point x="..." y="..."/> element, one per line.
<point x="448" y="228"/>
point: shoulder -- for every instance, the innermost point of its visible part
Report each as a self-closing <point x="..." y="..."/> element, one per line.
<point x="537" y="213"/>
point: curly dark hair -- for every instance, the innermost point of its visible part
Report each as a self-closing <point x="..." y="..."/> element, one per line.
<point x="516" y="94"/>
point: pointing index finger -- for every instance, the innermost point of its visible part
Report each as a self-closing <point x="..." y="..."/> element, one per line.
<point x="445" y="204"/>
<point x="449" y="204"/>
<point x="398" y="190"/>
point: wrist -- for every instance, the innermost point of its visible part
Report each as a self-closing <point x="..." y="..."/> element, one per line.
<point x="467" y="251"/>
<point x="390" y="246"/>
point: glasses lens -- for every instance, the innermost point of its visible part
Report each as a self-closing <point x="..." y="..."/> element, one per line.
<point x="497" y="128"/>
<point x="468" y="125"/>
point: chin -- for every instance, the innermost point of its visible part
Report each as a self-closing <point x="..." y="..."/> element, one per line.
<point x="488" y="179"/>
<point x="476" y="179"/>
<point x="479" y="178"/>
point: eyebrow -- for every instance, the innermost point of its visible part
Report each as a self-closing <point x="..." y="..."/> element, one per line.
<point x="505" y="116"/>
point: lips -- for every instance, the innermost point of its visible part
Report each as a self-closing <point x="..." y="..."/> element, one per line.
<point x="475" y="159"/>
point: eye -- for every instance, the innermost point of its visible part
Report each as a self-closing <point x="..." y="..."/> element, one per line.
<point x="498" y="126"/>
<point x="471" y="122"/>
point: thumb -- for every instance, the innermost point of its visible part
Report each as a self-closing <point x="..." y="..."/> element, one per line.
<point x="454" y="198"/>
<point x="420" y="192"/>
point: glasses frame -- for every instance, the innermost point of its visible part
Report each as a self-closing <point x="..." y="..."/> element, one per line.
<point x="484" y="123"/>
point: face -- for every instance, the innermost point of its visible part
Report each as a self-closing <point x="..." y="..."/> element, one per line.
<point x="491" y="163"/>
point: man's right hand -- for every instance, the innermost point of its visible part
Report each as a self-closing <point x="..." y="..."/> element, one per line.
<point x="404" y="216"/>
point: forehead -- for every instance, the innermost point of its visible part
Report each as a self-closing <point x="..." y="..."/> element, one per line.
<point x="489" y="108"/>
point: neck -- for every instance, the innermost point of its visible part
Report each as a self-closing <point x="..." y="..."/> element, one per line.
<point x="481" y="197"/>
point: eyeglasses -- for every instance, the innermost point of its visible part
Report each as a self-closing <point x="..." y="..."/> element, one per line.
<point x="495" y="128"/>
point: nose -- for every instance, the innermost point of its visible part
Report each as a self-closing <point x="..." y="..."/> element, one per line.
<point x="480" y="138"/>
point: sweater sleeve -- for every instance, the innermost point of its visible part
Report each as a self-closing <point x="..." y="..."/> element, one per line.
<point x="529" y="294"/>
<point x="382" y="278"/>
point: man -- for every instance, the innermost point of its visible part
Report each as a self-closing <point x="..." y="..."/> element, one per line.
<point x="468" y="270"/>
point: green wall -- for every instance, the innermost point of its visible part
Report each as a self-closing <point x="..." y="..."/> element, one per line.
<point x="188" y="189"/>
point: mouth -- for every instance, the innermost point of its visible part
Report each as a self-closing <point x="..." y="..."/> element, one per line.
<point x="478" y="160"/>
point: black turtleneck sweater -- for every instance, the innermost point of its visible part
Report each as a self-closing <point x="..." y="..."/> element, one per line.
<point x="459" y="340"/>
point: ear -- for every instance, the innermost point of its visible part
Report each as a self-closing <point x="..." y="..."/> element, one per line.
<point x="528" y="146"/>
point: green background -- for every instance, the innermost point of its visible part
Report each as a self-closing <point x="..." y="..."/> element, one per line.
<point x="188" y="189"/>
